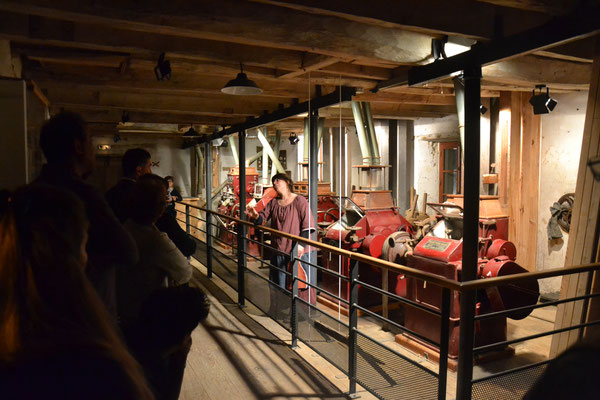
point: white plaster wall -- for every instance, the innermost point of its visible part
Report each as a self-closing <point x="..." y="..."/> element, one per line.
<point x="172" y="159"/>
<point x="562" y="133"/>
<point x="426" y="152"/>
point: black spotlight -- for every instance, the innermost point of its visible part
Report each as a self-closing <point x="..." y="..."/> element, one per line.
<point x="482" y="109"/>
<point x="541" y="102"/>
<point x="293" y="138"/>
<point x="117" y="138"/>
<point x="163" y="68"/>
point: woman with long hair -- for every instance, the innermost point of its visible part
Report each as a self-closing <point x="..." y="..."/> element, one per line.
<point x="57" y="339"/>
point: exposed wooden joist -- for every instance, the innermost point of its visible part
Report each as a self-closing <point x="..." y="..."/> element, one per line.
<point x="244" y="23"/>
<point x="387" y="97"/>
<point x="97" y="114"/>
<point x="553" y="7"/>
<point x="431" y="17"/>
<point x="525" y="70"/>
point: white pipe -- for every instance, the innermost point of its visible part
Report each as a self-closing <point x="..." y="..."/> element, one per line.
<point x="233" y="148"/>
<point x="267" y="147"/>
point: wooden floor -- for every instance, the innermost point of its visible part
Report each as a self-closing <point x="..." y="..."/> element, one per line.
<point x="245" y="354"/>
<point x="234" y="357"/>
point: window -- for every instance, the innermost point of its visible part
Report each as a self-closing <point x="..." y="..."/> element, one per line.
<point x="449" y="169"/>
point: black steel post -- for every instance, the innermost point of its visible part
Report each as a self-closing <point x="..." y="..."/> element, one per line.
<point x="241" y="242"/>
<point x="472" y="77"/>
<point x="353" y="322"/>
<point x="444" y="344"/>
<point x="208" y="217"/>
<point x="187" y="219"/>
<point x="294" y="317"/>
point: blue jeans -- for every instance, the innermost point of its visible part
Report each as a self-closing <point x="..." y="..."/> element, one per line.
<point x="278" y="276"/>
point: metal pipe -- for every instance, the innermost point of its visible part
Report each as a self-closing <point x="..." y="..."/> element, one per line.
<point x="267" y="147"/>
<point x="241" y="231"/>
<point x="253" y="158"/>
<point x="276" y="150"/>
<point x="208" y="216"/>
<point x="370" y="133"/>
<point x="265" y="163"/>
<point x="233" y="148"/>
<point x="459" y="95"/>
<point x="472" y="79"/>
<point x="216" y="192"/>
<point x="320" y="131"/>
<point x="360" y="132"/>
<point x="306" y="139"/>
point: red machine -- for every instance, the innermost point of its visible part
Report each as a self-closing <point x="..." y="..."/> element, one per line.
<point x="365" y="229"/>
<point x="441" y="253"/>
<point x="230" y="204"/>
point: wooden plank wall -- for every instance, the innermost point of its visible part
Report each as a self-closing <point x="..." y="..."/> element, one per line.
<point x="524" y="131"/>
<point x="582" y="246"/>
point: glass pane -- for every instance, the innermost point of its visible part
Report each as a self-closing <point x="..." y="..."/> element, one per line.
<point x="450" y="159"/>
<point x="450" y="182"/>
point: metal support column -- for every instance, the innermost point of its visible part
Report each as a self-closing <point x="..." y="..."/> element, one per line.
<point x="208" y="217"/>
<point x="294" y="316"/>
<point x="472" y="78"/>
<point x="353" y="322"/>
<point x="444" y="344"/>
<point x="313" y="185"/>
<point x="241" y="242"/>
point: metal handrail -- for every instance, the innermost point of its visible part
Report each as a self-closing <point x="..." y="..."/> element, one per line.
<point x="433" y="278"/>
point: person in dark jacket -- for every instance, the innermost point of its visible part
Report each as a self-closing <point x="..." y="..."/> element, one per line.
<point x="68" y="149"/>
<point x="57" y="340"/>
<point x="137" y="163"/>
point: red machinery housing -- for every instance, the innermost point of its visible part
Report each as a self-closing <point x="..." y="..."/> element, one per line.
<point x="366" y="229"/>
<point x="441" y="253"/>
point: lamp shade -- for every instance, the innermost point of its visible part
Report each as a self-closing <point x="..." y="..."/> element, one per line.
<point x="241" y="86"/>
<point x="191" y="133"/>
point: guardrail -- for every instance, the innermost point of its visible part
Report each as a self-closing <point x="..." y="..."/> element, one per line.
<point x="379" y="368"/>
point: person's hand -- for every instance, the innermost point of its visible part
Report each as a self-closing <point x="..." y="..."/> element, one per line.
<point x="300" y="250"/>
<point x="251" y="212"/>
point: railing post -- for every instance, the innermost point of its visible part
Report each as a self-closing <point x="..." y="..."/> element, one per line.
<point x="294" y="317"/>
<point x="187" y="219"/>
<point x="241" y="242"/>
<point x="353" y="322"/>
<point x="208" y="215"/>
<point x="444" y="337"/>
<point x="472" y="79"/>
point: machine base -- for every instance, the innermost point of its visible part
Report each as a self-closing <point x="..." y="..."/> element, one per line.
<point x="433" y="354"/>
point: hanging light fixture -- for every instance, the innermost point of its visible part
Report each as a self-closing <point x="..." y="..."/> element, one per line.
<point x="241" y="85"/>
<point x="293" y="138"/>
<point x="191" y="133"/>
<point x="163" y="68"/>
<point x="541" y="102"/>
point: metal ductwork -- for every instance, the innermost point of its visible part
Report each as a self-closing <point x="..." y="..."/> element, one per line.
<point x="370" y="128"/>
<point x="459" y="95"/>
<point x="363" y="141"/>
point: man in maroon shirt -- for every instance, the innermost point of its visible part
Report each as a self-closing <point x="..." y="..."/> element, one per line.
<point x="291" y="214"/>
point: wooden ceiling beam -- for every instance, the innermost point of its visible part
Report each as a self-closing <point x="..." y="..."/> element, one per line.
<point x="33" y="30"/>
<point x="97" y="114"/>
<point x="529" y="70"/>
<point x="242" y="23"/>
<point x="437" y="17"/>
<point x="144" y="81"/>
<point x="552" y="7"/>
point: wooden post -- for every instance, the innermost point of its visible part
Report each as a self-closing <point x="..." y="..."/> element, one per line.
<point x="583" y="236"/>
<point x="504" y="129"/>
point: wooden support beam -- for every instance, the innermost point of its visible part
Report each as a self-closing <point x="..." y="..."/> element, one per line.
<point x="504" y="126"/>
<point x="526" y="70"/>
<point x="397" y="98"/>
<point x="582" y="247"/>
<point x="553" y="7"/>
<point x="243" y="23"/>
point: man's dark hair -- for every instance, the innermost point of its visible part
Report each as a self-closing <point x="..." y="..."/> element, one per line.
<point x="283" y="177"/>
<point x="58" y="136"/>
<point x="132" y="159"/>
<point x="169" y="178"/>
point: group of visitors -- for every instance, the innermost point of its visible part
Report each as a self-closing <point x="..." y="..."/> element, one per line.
<point x="95" y="300"/>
